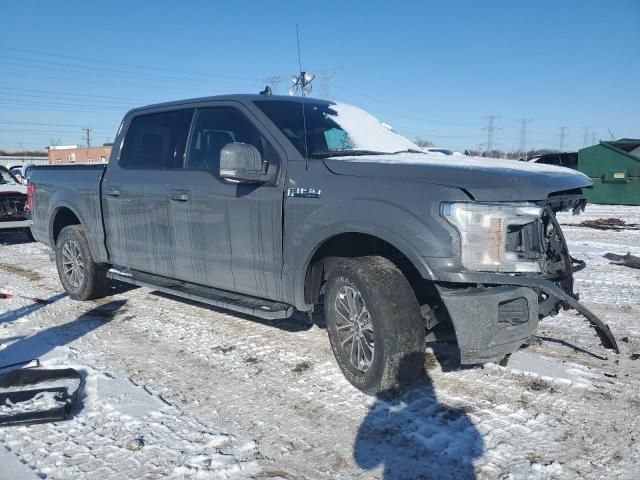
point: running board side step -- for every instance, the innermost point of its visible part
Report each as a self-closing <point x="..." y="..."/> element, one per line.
<point x="258" y="307"/>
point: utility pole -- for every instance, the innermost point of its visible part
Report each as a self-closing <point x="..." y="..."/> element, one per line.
<point x="490" y="129"/>
<point x="593" y="137"/>
<point x="563" y="135"/>
<point x="88" y="132"/>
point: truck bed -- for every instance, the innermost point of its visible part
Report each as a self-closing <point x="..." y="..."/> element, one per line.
<point x="78" y="188"/>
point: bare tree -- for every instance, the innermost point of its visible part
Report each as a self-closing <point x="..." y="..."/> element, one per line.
<point x="422" y="142"/>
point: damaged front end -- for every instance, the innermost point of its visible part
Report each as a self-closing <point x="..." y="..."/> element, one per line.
<point x="13" y="206"/>
<point x="13" y="209"/>
<point x="516" y="270"/>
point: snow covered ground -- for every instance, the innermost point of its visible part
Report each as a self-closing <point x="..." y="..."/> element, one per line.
<point x="178" y="390"/>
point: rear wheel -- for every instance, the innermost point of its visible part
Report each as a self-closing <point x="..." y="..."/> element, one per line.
<point x="80" y="275"/>
<point x="374" y="324"/>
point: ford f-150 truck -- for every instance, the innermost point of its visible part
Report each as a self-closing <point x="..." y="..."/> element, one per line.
<point x="268" y="205"/>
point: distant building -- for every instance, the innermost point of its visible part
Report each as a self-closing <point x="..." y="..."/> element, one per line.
<point x="76" y="154"/>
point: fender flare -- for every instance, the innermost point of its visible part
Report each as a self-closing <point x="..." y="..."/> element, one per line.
<point x="54" y="212"/>
<point x="319" y="238"/>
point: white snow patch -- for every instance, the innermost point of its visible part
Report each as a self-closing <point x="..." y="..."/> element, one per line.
<point x="548" y="369"/>
<point x="11" y="468"/>
<point x="465" y="162"/>
<point x="367" y="132"/>
<point x="123" y="396"/>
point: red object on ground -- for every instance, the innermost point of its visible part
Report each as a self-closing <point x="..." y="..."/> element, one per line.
<point x="7" y="295"/>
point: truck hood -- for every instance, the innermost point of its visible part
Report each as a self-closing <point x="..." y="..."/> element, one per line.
<point x="12" y="188"/>
<point x="485" y="179"/>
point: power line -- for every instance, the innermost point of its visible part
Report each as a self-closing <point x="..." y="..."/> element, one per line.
<point x="130" y="65"/>
<point x="11" y="131"/>
<point x="74" y="94"/>
<point x="127" y="75"/>
<point x="53" y="97"/>
<point x="105" y="82"/>
<point x="56" y="104"/>
<point x="76" y="125"/>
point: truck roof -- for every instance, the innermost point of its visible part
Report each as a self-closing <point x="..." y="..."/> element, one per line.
<point x="238" y="97"/>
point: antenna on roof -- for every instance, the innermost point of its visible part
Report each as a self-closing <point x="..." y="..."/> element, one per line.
<point x="267" y="92"/>
<point x="301" y="81"/>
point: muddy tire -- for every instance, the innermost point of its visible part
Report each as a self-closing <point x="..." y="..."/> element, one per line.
<point x="81" y="277"/>
<point x="374" y="325"/>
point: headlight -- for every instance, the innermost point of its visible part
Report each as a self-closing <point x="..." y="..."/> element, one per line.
<point x="484" y="228"/>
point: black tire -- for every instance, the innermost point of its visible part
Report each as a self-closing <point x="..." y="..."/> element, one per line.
<point x="93" y="281"/>
<point x="393" y="321"/>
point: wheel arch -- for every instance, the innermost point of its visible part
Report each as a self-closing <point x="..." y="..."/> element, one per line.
<point x="62" y="216"/>
<point x="356" y="242"/>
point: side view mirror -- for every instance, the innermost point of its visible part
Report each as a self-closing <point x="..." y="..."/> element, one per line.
<point x="243" y="162"/>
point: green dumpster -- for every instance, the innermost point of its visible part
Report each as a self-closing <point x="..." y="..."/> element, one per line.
<point x="614" y="169"/>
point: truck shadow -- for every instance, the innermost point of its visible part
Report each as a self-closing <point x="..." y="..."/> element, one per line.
<point x="415" y="436"/>
<point x="14" y="238"/>
<point x="42" y="342"/>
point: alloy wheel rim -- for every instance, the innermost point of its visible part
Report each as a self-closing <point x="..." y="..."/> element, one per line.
<point x="354" y="328"/>
<point x="72" y="263"/>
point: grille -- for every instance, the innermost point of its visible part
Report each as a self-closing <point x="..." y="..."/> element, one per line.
<point x="513" y="312"/>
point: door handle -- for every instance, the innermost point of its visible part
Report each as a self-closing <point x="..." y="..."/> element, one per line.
<point x="180" y="195"/>
<point x="113" y="193"/>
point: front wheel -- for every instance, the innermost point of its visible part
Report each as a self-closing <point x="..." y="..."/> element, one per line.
<point x="80" y="275"/>
<point x="374" y="324"/>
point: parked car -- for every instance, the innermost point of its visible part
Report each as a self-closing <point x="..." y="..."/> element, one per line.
<point x="564" y="159"/>
<point x="268" y="205"/>
<point x="14" y="214"/>
<point x="443" y="151"/>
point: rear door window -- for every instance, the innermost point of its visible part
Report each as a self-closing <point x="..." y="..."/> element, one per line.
<point x="157" y="141"/>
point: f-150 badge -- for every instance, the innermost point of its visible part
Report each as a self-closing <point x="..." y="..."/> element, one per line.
<point x="304" y="192"/>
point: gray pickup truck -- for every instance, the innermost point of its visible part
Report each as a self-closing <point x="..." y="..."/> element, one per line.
<point x="267" y="205"/>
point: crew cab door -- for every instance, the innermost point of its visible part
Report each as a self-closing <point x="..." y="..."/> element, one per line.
<point x="229" y="234"/>
<point x="136" y="192"/>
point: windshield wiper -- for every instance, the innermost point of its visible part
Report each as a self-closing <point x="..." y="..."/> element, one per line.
<point x="346" y="153"/>
<point x="409" y="150"/>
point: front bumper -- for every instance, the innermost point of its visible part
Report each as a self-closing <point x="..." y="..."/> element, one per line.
<point x="15" y="224"/>
<point x="490" y="322"/>
<point x="487" y="325"/>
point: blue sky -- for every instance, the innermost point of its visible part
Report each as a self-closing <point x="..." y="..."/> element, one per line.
<point x="430" y="69"/>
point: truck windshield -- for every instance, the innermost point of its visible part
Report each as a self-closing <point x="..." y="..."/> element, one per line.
<point x="333" y="129"/>
<point x="6" y="178"/>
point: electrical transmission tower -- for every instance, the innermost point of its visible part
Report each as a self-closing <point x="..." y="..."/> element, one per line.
<point x="585" y="141"/>
<point x="563" y="135"/>
<point x="523" y="137"/>
<point x="490" y="131"/>
<point x="88" y="136"/>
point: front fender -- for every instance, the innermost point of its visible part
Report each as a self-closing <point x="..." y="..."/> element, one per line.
<point x="418" y="237"/>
